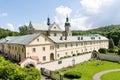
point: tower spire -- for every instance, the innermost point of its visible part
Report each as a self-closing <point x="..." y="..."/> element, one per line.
<point x="48" y="21"/>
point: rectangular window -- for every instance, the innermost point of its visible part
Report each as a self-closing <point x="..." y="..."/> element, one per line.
<point x="34" y="50"/>
<point x="58" y="55"/>
<point x="55" y="34"/>
<point x="81" y="44"/>
<point x="76" y="51"/>
<point x="76" y="44"/>
<point x="60" y="62"/>
<point x="37" y="40"/>
<point x="44" y="58"/>
<point x="71" y="45"/>
<point x="71" y="52"/>
<point x="58" y="46"/>
<point x="22" y="49"/>
<point x="66" y="54"/>
<point x="51" y="47"/>
<point x="43" y="48"/>
<point x="45" y="39"/>
<point x="65" y="45"/>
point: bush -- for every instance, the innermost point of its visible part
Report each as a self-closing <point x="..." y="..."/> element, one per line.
<point x="111" y="51"/>
<point x="72" y="74"/>
<point x="119" y="52"/>
<point x="78" y="53"/>
<point x="74" y="55"/>
<point x="103" y="50"/>
<point x="65" y="57"/>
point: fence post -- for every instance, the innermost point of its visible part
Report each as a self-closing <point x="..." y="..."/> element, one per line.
<point x="51" y="74"/>
<point x="42" y="70"/>
<point x="61" y="76"/>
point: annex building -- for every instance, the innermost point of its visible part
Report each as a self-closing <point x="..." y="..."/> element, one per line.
<point x="47" y="42"/>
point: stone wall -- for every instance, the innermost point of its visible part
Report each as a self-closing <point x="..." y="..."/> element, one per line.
<point x="65" y="62"/>
<point x="109" y="57"/>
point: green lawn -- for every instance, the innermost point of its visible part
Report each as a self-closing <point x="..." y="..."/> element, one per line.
<point x="89" y="68"/>
<point x="111" y="76"/>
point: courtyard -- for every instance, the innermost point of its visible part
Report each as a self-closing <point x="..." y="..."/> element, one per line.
<point x="89" y="68"/>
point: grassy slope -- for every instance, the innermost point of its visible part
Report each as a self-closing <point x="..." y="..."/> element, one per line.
<point x="88" y="69"/>
<point x="111" y="76"/>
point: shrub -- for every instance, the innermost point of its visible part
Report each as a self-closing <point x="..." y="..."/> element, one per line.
<point x="72" y="74"/>
<point x="78" y="53"/>
<point x="119" y="52"/>
<point x="111" y="51"/>
<point x="65" y="57"/>
<point x="103" y="50"/>
<point x="74" y="55"/>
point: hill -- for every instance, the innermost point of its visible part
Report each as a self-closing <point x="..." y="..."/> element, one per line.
<point x="5" y="32"/>
<point x="110" y="28"/>
<point x="111" y="31"/>
<point x="101" y="30"/>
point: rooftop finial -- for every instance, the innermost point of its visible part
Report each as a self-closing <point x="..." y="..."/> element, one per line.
<point x="67" y="19"/>
<point x="48" y="21"/>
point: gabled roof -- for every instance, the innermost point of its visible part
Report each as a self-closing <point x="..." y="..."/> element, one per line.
<point x="37" y="26"/>
<point x="4" y="40"/>
<point x="57" y="39"/>
<point x="43" y="27"/>
<point x="24" y="40"/>
<point x="55" y="25"/>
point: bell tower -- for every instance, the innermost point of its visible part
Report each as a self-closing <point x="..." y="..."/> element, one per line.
<point x="67" y="28"/>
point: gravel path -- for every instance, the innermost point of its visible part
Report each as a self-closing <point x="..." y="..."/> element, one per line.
<point x="45" y="78"/>
<point x="98" y="75"/>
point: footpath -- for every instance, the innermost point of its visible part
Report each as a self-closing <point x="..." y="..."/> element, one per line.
<point x="98" y="75"/>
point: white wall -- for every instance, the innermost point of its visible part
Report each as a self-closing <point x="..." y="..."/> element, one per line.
<point x="65" y="62"/>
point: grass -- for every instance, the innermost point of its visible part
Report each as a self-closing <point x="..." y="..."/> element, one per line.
<point x="89" y="68"/>
<point x="111" y="76"/>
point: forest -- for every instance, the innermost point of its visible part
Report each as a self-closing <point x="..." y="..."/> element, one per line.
<point x="111" y="32"/>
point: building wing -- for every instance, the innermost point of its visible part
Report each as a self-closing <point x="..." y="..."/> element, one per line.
<point x="24" y="40"/>
<point x="90" y="37"/>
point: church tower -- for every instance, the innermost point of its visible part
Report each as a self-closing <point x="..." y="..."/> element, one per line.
<point x="67" y="28"/>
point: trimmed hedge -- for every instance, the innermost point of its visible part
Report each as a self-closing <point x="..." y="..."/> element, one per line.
<point x="103" y="50"/>
<point x="72" y="74"/>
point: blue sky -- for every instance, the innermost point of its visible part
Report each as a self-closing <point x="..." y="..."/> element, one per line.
<point x="83" y="14"/>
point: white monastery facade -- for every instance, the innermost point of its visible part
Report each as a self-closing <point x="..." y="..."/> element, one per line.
<point x="46" y="43"/>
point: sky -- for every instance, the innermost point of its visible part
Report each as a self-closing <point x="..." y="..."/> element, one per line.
<point x="83" y="14"/>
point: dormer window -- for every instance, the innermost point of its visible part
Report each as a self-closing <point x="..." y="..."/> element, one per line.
<point x="81" y="38"/>
<point x="99" y="37"/>
<point x="37" y="40"/>
<point x="54" y="27"/>
<point x="55" y="34"/>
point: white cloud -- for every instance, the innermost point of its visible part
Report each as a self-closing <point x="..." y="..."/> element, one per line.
<point x="3" y="14"/>
<point x="91" y="14"/>
<point x="61" y="13"/>
<point x="79" y="24"/>
<point x="10" y="27"/>
<point x="91" y="6"/>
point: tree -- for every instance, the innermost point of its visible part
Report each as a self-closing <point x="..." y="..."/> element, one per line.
<point x="119" y="44"/>
<point x="10" y="71"/>
<point x="23" y="30"/>
<point x="111" y="43"/>
<point x="32" y="74"/>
